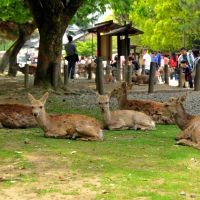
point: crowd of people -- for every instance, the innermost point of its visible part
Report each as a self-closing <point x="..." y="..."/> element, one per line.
<point x="183" y="60"/>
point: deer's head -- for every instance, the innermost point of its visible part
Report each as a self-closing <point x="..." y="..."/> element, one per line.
<point x="103" y="101"/>
<point x="38" y="105"/>
<point x="171" y="107"/>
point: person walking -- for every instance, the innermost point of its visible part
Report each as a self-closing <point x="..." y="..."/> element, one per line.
<point x="189" y="58"/>
<point x="70" y="49"/>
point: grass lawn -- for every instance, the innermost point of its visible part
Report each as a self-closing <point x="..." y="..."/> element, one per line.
<point x="145" y="165"/>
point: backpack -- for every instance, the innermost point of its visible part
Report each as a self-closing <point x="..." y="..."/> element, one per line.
<point x="137" y="64"/>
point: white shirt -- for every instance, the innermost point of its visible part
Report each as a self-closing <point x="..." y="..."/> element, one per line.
<point x="147" y="60"/>
<point x="83" y="61"/>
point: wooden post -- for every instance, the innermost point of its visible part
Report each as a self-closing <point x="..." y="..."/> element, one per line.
<point x="100" y="76"/>
<point x="166" y="75"/>
<point x="143" y="70"/>
<point x="89" y="71"/>
<point x="107" y="69"/>
<point x="197" y="78"/>
<point x="118" y="73"/>
<point x="55" y="75"/>
<point x="123" y="72"/>
<point x="129" y="74"/>
<point x="180" y="77"/>
<point x="26" y="76"/>
<point x="66" y="78"/>
<point x="152" y="76"/>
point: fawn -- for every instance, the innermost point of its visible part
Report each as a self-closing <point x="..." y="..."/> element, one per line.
<point x="69" y="126"/>
<point x="122" y="119"/>
<point x="189" y="124"/>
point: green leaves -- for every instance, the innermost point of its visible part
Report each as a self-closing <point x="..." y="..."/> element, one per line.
<point x="154" y="17"/>
<point x="11" y="10"/>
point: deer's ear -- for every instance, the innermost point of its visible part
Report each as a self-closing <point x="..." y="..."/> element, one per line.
<point x="109" y="94"/>
<point x="31" y="98"/>
<point x="44" y="98"/>
<point x="97" y="94"/>
<point x="123" y="85"/>
<point x="182" y="97"/>
<point x="129" y="86"/>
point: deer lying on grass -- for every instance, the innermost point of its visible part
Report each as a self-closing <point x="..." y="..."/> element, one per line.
<point x="189" y="124"/>
<point x="16" y="116"/>
<point x="32" y="69"/>
<point x="69" y="126"/>
<point x="122" y="119"/>
<point x="151" y="108"/>
<point x="143" y="79"/>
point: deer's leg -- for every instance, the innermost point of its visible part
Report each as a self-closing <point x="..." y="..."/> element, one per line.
<point x="188" y="143"/>
<point x="57" y="134"/>
<point x="117" y="127"/>
<point x="88" y="131"/>
<point x="184" y="135"/>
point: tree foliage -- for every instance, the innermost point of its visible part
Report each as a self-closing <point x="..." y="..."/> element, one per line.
<point x="155" y="18"/>
<point x="87" y="48"/>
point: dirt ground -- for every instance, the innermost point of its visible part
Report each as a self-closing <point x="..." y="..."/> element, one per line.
<point x="12" y="91"/>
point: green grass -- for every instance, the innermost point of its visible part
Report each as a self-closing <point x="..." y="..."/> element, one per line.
<point x="127" y="164"/>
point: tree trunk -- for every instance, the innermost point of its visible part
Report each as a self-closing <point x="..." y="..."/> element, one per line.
<point x="49" y="51"/>
<point x="52" y="18"/>
<point x="10" y="57"/>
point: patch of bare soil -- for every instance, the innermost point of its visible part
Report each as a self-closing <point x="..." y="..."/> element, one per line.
<point x="53" y="182"/>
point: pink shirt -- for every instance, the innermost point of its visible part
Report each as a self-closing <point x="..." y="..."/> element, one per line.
<point x="166" y="61"/>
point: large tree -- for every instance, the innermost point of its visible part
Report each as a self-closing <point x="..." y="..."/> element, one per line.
<point x="52" y="18"/>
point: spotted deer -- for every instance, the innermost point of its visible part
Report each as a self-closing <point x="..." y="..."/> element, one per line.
<point x="151" y="108"/>
<point x="122" y="119"/>
<point x="16" y="116"/>
<point x="69" y="126"/>
<point x="189" y="124"/>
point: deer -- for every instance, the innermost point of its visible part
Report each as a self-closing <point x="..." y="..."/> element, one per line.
<point x="65" y="126"/>
<point x="150" y="108"/>
<point x="108" y="78"/>
<point x="143" y="79"/>
<point x="122" y="119"/>
<point x="32" y="69"/>
<point x="16" y="116"/>
<point x="189" y="124"/>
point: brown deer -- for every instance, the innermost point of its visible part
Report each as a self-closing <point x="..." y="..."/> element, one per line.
<point x="189" y="124"/>
<point x="16" y="116"/>
<point x="108" y="78"/>
<point x="69" y="126"/>
<point x="32" y="69"/>
<point x="151" y="108"/>
<point x="143" y="79"/>
<point x="122" y="119"/>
